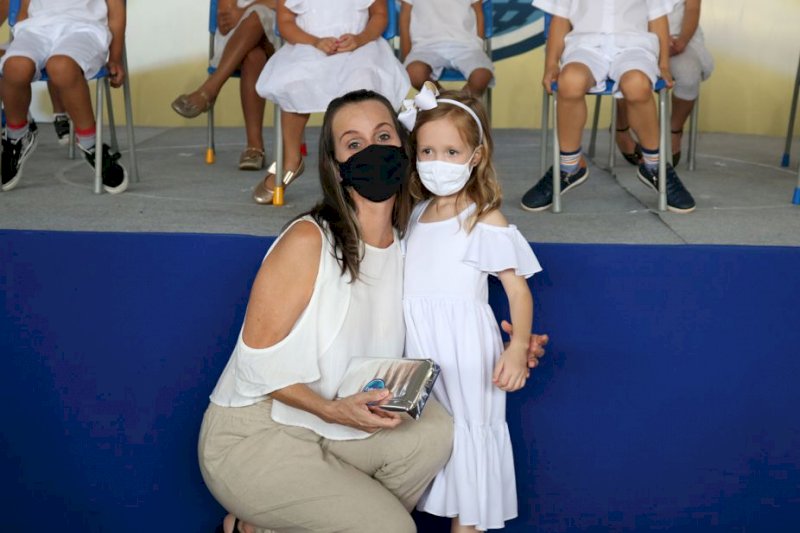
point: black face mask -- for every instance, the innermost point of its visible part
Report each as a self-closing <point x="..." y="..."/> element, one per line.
<point x="376" y="172"/>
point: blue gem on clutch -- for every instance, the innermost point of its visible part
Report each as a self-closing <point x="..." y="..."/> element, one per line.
<point x="375" y="384"/>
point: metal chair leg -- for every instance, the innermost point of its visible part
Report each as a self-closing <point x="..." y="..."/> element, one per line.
<point x="796" y="198"/>
<point x="112" y="127"/>
<point x="595" y="121"/>
<point x="126" y="93"/>
<point x="693" y="135"/>
<point x="545" y="128"/>
<point x="72" y="140"/>
<point x="277" y="198"/>
<point x="98" y="147"/>
<point x="556" y="159"/>
<point x="792" y="114"/>
<point x="663" y="149"/>
<point x="210" y="149"/>
<point x="612" y="142"/>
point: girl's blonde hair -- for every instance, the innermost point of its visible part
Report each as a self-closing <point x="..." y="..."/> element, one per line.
<point x="482" y="186"/>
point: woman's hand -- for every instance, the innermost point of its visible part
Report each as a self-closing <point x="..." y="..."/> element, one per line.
<point x="535" y="347"/>
<point x="347" y="43"/>
<point x="362" y="411"/>
<point x="327" y="45"/>
<point x="511" y="370"/>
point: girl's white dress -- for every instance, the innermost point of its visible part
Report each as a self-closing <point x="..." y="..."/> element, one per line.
<point x="448" y="319"/>
<point x="302" y="79"/>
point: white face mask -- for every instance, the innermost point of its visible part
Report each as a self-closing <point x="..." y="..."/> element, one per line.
<point x="443" y="178"/>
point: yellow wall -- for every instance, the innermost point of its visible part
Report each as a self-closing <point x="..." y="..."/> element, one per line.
<point x="755" y="45"/>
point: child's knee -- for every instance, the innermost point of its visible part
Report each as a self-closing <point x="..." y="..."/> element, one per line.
<point x="636" y="86"/>
<point x="574" y="81"/>
<point x="19" y="69"/>
<point x="63" y="70"/>
<point x="418" y="73"/>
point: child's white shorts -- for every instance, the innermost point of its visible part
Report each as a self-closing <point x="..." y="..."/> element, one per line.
<point x="86" y="43"/>
<point x="610" y="56"/>
<point x="459" y="56"/>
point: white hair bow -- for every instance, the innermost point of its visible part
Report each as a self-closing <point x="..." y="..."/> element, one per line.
<point x="425" y="100"/>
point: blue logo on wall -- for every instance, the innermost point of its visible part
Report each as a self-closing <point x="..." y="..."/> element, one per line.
<point x="518" y="27"/>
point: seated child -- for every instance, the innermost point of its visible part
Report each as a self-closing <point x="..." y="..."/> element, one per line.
<point x="72" y="40"/>
<point x="626" y="41"/>
<point x="243" y="41"/>
<point x="332" y="48"/>
<point x="439" y="34"/>
<point x="689" y="63"/>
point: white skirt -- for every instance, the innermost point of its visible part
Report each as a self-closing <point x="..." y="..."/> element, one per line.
<point x="302" y="79"/>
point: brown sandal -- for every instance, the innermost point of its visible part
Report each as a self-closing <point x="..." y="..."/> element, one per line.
<point x="183" y="105"/>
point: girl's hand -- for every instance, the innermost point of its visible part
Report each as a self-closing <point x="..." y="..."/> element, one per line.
<point x="511" y="371"/>
<point x="536" y="345"/>
<point x="550" y="75"/>
<point x="362" y="411"/>
<point x="347" y="43"/>
<point x="327" y="45"/>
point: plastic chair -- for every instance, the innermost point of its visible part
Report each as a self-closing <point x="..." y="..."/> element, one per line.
<point x="549" y="107"/>
<point x="102" y="83"/>
<point x="278" y="198"/>
<point x="488" y="32"/>
<point x="792" y="114"/>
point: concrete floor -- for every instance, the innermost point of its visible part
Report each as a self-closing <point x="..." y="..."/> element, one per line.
<point x="743" y="196"/>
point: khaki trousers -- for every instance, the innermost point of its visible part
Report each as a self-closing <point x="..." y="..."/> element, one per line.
<point x="289" y="479"/>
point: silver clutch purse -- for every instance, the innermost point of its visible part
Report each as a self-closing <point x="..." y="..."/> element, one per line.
<point x="409" y="380"/>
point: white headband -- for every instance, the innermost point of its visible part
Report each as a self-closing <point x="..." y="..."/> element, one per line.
<point x="426" y="100"/>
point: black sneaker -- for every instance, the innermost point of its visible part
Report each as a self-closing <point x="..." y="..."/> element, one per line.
<point x="61" y="125"/>
<point x="540" y="196"/>
<point x="679" y="199"/>
<point x="115" y="177"/>
<point x="15" y="153"/>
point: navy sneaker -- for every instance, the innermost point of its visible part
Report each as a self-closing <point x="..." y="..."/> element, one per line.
<point x="115" y="177"/>
<point x="15" y="153"/>
<point x="679" y="199"/>
<point x="540" y="196"/>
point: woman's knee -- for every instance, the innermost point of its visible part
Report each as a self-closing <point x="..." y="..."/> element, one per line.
<point x="574" y="80"/>
<point x="636" y="86"/>
<point x="19" y="69"/>
<point x="63" y="70"/>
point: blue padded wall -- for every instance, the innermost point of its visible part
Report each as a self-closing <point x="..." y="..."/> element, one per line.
<point x="668" y="399"/>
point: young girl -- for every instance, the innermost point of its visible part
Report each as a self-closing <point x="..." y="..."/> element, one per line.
<point x="456" y="238"/>
<point x="333" y="48"/>
<point x="439" y="34"/>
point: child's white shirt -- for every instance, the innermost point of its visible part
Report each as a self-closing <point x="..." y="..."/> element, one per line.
<point x="91" y="11"/>
<point x="435" y="21"/>
<point x="607" y="16"/>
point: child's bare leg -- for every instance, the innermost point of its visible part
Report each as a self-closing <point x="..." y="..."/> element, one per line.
<point x="18" y="73"/>
<point x="573" y="82"/>
<point x="642" y="114"/>
<point x="246" y="37"/>
<point x="456" y="527"/>
<point x="681" y="109"/>
<point x="68" y="80"/>
<point x="624" y="139"/>
<point x="252" y="103"/>
<point x="55" y="99"/>
<point x="229" y="522"/>
<point x="293" y="124"/>
<point x="419" y="73"/>
<point x="478" y="81"/>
